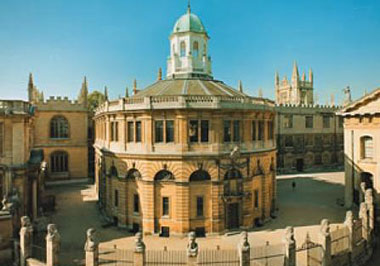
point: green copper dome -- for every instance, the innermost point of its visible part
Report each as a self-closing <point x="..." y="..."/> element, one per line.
<point x="189" y="22"/>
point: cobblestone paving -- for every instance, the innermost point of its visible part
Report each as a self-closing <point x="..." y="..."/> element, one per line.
<point x="316" y="196"/>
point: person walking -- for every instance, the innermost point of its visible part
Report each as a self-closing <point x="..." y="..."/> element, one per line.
<point x="294" y="185"/>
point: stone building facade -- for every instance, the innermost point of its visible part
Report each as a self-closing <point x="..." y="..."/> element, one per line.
<point x="361" y="148"/>
<point x="188" y="153"/>
<point x="308" y="135"/>
<point x="61" y="131"/>
<point x="21" y="172"/>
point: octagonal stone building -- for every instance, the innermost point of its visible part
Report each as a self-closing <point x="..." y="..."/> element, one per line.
<point x="188" y="153"/>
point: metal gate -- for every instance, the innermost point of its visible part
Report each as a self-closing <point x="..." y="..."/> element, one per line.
<point x="309" y="254"/>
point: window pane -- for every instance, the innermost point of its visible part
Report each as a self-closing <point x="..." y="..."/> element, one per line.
<point x="270" y="130"/>
<point x="253" y="130"/>
<point x="204" y="131"/>
<point x="236" y="130"/>
<point x="116" y="198"/>
<point x="256" y="204"/>
<point x="326" y="122"/>
<point x="136" y="203"/>
<point x="169" y="131"/>
<point x="138" y="131"/>
<point x="261" y="130"/>
<point x="193" y="132"/>
<point x="159" y="131"/>
<point x="199" y="206"/>
<point x="309" y="122"/>
<point x="227" y="130"/>
<point x="165" y="206"/>
<point x="130" y="131"/>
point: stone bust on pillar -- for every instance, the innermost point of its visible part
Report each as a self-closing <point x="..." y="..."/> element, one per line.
<point x="139" y="244"/>
<point x="91" y="242"/>
<point x="192" y="246"/>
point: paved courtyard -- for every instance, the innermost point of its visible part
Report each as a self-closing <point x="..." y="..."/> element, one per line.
<point x="316" y="196"/>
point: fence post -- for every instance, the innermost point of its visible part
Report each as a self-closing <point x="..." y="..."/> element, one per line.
<point x="244" y="250"/>
<point x="139" y="255"/>
<point x="92" y="248"/>
<point x="26" y="239"/>
<point x="53" y="243"/>
<point x="290" y="247"/>
<point x="192" y="250"/>
<point x="325" y="241"/>
<point x="349" y="223"/>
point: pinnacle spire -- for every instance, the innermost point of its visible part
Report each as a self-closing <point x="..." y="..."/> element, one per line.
<point x="159" y="77"/>
<point x="126" y="92"/>
<point x="295" y="70"/>
<point x="240" y="86"/>
<point x="188" y="7"/>
<point x="83" y="94"/>
<point x="30" y="88"/>
<point x="277" y="78"/>
<point x="134" y="87"/>
<point x="105" y="93"/>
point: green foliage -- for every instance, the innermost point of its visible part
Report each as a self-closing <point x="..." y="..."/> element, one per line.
<point x="95" y="99"/>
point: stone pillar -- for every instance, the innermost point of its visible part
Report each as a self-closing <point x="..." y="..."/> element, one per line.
<point x="362" y="192"/>
<point x="363" y="215"/>
<point x="325" y="241"/>
<point x="349" y="223"/>
<point x="371" y="211"/>
<point x="91" y="248"/>
<point x="26" y="240"/>
<point x="139" y="255"/>
<point x="53" y="243"/>
<point x="290" y="247"/>
<point x="192" y="250"/>
<point x="244" y="250"/>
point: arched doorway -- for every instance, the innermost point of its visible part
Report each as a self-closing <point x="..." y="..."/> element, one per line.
<point x="233" y="191"/>
<point x="367" y="178"/>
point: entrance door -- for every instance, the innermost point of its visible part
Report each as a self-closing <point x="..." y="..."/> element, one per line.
<point x="299" y="165"/>
<point x="233" y="216"/>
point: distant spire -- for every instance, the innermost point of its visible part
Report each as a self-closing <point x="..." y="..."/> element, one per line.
<point x="105" y="93"/>
<point x="295" y="70"/>
<point x="260" y="93"/>
<point x="303" y="76"/>
<point x="134" y="87"/>
<point x="159" y="77"/>
<point x="276" y="78"/>
<point x="83" y="92"/>
<point x="311" y="76"/>
<point x="332" y="102"/>
<point x="30" y="88"/>
<point x="240" y="86"/>
<point x="126" y="92"/>
<point x="188" y="7"/>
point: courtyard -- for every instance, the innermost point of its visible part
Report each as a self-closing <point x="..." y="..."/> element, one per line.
<point x="315" y="196"/>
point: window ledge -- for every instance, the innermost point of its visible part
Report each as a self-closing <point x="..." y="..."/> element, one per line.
<point x="367" y="160"/>
<point x="59" y="138"/>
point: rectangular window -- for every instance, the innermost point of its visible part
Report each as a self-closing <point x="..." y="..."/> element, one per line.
<point x="114" y="131"/>
<point x="165" y="206"/>
<point x="288" y="141"/>
<point x="236" y="130"/>
<point x="367" y="147"/>
<point x="270" y="130"/>
<point x="136" y="203"/>
<point x="138" y="131"/>
<point x="288" y="121"/>
<point x="341" y="121"/>
<point x="1" y="138"/>
<point x="131" y="136"/>
<point x="254" y="136"/>
<point x="309" y="122"/>
<point x="326" y="121"/>
<point x="159" y="131"/>
<point x="261" y="130"/>
<point x="116" y="198"/>
<point x="199" y="206"/>
<point x="309" y="140"/>
<point x="256" y="199"/>
<point x="204" y="130"/>
<point x="227" y="130"/>
<point x="169" y="131"/>
<point x="193" y="131"/>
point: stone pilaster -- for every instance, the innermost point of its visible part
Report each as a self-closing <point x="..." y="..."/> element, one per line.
<point x="53" y="243"/>
<point x="91" y="248"/>
<point x="290" y="247"/>
<point x="325" y="241"/>
<point x="26" y="240"/>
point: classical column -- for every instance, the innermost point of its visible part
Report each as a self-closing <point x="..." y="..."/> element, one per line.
<point x="92" y="248"/>
<point x="139" y="255"/>
<point x="244" y="250"/>
<point x="192" y="250"/>
<point x="349" y="223"/>
<point x="290" y="247"/>
<point x="26" y="240"/>
<point x="325" y="241"/>
<point x="53" y="243"/>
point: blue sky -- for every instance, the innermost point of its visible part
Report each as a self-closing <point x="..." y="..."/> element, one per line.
<point x="114" y="41"/>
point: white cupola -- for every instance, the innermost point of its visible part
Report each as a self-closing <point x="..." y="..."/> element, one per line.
<point x="189" y="49"/>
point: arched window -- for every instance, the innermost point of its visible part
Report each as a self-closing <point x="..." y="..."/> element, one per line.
<point x="59" y="127"/>
<point x="59" y="162"/>
<point x="200" y="175"/>
<point x="233" y="174"/>
<point x="183" y="49"/>
<point x="195" y="49"/>
<point x="164" y="175"/>
<point x="366" y="147"/>
<point x="133" y="174"/>
<point x="367" y="178"/>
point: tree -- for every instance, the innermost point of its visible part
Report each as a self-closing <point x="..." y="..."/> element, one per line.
<point x="95" y="99"/>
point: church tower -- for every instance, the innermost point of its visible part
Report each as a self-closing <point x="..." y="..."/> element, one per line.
<point x="189" y="49"/>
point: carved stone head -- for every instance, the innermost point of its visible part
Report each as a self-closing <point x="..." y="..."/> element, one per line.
<point x="289" y="234"/>
<point x="25" y="221"/>
<point x="139" y="244"/>
<point x="192" y="246"/>
<point x="325" y="226"/>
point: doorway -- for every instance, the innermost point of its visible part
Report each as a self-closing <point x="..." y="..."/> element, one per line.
<point x="300" y="165"/>
<point x="233" y="216"/>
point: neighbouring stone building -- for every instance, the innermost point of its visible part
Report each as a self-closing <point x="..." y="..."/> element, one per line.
<point x="308" y="135"/>
<point x="188" y="153"/>
<point x="62" y="132"/>
<point x="362" y="147"/>
<point x="21" y="171"/>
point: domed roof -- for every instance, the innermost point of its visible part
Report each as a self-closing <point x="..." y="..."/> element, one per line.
<point x="189" y="22"/>
<point x="194" y="87"/>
